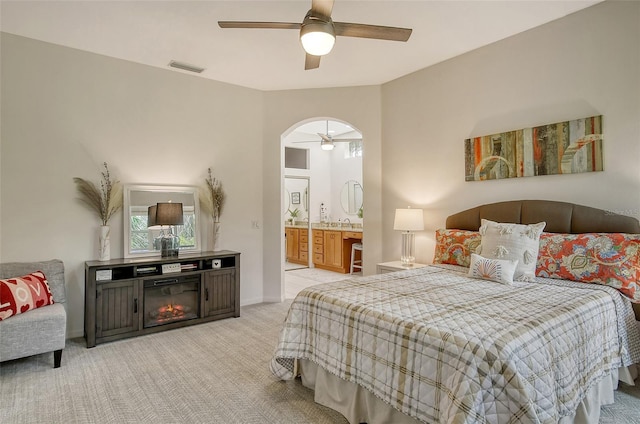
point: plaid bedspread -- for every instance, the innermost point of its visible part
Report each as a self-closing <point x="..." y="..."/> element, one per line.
<point x="442" y="347"/>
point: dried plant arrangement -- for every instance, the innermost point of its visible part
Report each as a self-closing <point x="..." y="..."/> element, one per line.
<point x="104" y="201"/>
<point x="213" y="197"/>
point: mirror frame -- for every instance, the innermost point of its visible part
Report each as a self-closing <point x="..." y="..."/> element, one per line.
<point x="157" y="188"/>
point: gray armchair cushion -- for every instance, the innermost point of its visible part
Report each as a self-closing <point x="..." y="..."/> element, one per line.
<point x="40" y="330"/>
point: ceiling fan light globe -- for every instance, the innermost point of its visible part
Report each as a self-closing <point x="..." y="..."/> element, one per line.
<point x="317" y="38"/>
<point x="326" y="145"/>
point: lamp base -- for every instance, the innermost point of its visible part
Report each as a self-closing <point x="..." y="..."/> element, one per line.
<point x="169" y="246"/>
<point x="408" y="246"/>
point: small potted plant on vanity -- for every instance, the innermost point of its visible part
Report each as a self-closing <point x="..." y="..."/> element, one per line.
<point x="294" y="214"/>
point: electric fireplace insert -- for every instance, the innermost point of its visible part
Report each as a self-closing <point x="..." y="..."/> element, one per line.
<point x="171" y="299"/>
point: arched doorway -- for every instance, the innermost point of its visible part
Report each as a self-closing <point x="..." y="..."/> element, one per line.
<point x="322" y="186"/>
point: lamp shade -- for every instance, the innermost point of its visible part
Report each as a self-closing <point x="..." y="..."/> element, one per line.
<point x="409" y="220"/>
<point x="169" y="214"/>
<point x="151" y="216"/>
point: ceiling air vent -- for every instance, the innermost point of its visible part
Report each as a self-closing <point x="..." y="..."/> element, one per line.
<point x="185" y="66"/>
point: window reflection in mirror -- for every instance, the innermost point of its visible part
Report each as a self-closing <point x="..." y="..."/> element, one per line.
<point x="141" y="240"/>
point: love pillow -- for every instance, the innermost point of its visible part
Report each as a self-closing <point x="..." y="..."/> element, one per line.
<point x="21" y="294"/>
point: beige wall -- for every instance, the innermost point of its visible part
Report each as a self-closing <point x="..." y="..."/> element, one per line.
<point x="583" y="65"/>
<point x="64" y="112"/>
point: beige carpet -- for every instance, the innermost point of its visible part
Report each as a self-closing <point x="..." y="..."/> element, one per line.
<point x="210" y="373"/>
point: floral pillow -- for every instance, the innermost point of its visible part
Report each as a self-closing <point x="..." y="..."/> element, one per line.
<point x="611" y="259"/>
<point x="498" y="270"/>
<point x="516" y="242"/>
<point x="455" y="246"/>
<point x="21" y="294"/>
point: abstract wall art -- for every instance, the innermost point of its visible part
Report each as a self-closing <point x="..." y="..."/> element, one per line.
<point x="569" y="147"/>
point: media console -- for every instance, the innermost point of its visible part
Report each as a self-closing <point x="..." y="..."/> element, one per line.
<point x="131" y="297"/>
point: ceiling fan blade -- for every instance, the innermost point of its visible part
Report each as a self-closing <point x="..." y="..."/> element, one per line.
<point x="335" y="140"/>
<point x="325" y="137"/>
<point x="379" y="32"/>
<point x="311" y="62"/>
<point x="259" y="25"/>
<point x="323" y="7"/>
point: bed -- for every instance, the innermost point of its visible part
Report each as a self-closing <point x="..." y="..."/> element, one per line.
<point x="438" y="346"/>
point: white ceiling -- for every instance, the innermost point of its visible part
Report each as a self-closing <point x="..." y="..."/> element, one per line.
<point x="156" y="32"/>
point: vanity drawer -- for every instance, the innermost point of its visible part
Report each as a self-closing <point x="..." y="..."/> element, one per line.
<point x="352" y="235"/>
<point x="303" y="256"/>
<point x="318" y="248"/>
<point x="304" y="236"/>
<point x="318" y="258"/>
<point x="304" y="247"/>
<point x="318" y="239"/>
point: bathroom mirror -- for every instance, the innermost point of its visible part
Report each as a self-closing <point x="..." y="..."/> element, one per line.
<point x="140" y="240"/>
<point x="296" y="195"/>
<point x="351" y="197"/>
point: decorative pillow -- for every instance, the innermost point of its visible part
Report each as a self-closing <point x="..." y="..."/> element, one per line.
<point x="498" y="270"/>
<point x="611" y="259"/>
<point x="20" y="294"/>
<point x="455" y="246"/>
<point x="516" y="242"/>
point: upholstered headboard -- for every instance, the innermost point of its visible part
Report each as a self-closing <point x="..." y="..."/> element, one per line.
<point x="561" y="217"/>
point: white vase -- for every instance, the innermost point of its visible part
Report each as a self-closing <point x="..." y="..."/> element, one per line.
<point x="215" y="245"/>
<point x="104" y="246"/>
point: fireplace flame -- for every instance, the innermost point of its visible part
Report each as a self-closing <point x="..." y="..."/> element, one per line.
<point x="169" y="312"/>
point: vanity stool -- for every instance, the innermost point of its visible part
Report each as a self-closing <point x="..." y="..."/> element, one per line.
<point x="356" y="263"/>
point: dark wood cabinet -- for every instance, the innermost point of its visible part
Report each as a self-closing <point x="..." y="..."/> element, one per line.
<point x="220" y="293"/>
<point x="133" y="297"/>
<point x="117" y="306"/>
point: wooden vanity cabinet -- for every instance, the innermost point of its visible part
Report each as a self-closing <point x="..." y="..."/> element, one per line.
<point x="318" y="248"/>
<point x="332" y="249"/>
<point x="297" y="245"/>
<point x="292" y="235"/>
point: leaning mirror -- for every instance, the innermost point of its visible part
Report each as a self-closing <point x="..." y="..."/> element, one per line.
<point x="141" y="240"/>
<point x="351" y="197"/>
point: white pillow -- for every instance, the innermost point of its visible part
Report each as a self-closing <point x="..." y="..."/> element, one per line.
<point x="498" y="270"/>
<point x="512" y="242"/>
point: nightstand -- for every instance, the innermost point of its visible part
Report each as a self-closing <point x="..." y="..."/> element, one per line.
<point x="383" y="268"/>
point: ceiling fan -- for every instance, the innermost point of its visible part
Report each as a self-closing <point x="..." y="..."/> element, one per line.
<point x="318" y="31"/>
<point x="327" y="141"/>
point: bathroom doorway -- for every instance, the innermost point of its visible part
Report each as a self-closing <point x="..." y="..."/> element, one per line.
<point x="333" y="201"/>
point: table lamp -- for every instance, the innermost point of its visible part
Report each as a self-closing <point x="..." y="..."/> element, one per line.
<point x="408" y="220"/>
<point x="169" y="214"/>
